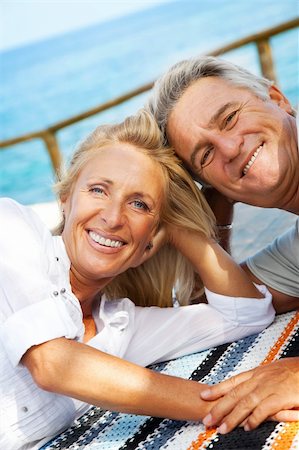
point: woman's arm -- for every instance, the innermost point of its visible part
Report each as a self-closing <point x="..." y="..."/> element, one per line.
<point x="218" y="271"/>
<point x="77" y="370"/>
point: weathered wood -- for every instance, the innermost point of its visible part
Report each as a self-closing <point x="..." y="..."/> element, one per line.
<point x="53" y="149"/>
<point x="261" y="40"/>
<point x="266" y="59"/>
<point x="253" y="38"/>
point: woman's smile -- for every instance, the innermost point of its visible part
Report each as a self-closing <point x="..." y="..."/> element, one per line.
<point x="113" y="211"/>
<point x="107" y="242"/>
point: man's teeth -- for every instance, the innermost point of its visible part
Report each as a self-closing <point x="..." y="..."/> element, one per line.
<point x="102" y="241"/>
<point x="252" y="159"/>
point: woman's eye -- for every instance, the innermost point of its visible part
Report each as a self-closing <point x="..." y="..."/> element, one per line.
<point x="97" y="190"/>
<point x="206" y="157"/>
<point x="138" y="204"/>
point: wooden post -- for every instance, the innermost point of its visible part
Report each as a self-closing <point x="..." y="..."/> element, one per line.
<point x="53" y="149"/>
<point x="266" y="59"/>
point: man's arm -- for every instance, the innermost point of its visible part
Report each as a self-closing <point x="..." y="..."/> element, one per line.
<point x="281" y="302"/>
<point x="223" y="210"/>
<point x="270" y="391"/>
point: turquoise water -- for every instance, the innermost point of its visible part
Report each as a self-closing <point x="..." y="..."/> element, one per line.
<point x="54" y="79"/>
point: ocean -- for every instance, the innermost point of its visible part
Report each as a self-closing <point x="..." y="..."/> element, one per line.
<point x="51" y="80"/>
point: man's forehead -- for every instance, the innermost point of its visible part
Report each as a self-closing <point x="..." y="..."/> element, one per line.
<point x="200" y="105"/>
<point x="205" y="94"/>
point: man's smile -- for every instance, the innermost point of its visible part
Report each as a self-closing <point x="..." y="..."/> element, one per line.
<point x="252" y="159"/>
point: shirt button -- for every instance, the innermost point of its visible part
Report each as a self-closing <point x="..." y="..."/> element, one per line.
<point x="56" y="257"/>
<point x="55" y="293"/>
<point x="24" y="409"/>
<point x="62" y="291"/>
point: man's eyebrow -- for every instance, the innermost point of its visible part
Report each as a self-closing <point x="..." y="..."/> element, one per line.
<point x="214" y="119"/>
<point x="194" y="153"/>
<point x="219" y="113"/>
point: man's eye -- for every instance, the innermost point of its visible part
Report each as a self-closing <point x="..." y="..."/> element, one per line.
<point x="229" y="118"/>
<point x="138" y="204"/>
<point x="206" y="157"/>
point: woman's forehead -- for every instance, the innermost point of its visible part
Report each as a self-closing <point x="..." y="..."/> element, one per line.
<point x="125" y="164"/>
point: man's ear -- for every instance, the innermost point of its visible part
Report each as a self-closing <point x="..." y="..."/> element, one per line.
<point x="277" y="96"/>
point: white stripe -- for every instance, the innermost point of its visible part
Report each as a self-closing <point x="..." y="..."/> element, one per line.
<point x="184" y="437"/>
<point x="260" y="349"/>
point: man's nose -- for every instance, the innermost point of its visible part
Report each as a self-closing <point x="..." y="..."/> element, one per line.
<point x="113" y="216"/>
<point x="228" y="146"/>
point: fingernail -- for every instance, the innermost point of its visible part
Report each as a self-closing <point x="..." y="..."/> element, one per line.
<point x="222" y="429"/>
<point x="207" y="421"/>
<point x="246" y="427"/>
<point x="205" y="394"/>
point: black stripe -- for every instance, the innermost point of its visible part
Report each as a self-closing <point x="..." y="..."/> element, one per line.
<point x="239" y="439"/>
<point x="151" y="424"/>
<point x="70" y="436"/>
<point x="144" y="431"/>
<point x="292" y="349"/>
<point x="208" y="363"/>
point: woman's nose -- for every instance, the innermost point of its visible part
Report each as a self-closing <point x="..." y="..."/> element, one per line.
<point x="112" y="215"/>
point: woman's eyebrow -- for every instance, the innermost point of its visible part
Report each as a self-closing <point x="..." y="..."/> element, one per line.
<point x="94" y="179"/>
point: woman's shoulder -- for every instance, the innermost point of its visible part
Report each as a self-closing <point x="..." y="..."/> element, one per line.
<point x="8" y="203"/>
<point x="10" y="206"/>
<point x="14" y="215"/>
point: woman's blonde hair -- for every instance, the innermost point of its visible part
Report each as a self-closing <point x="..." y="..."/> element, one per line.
<point x="184" y="206"/>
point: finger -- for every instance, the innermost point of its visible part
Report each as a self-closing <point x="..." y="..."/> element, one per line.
<point x="269" y="407"/>
<point x="223" y="388"/>
<point x="233" y="414"/>
<point x="230" y="404"/>
<point x="289" y="415"/>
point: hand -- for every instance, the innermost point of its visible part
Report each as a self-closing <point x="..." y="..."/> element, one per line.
<point x="268" y="392"/>
<point x="223" y="209"/>
<point x="221" y="205"/>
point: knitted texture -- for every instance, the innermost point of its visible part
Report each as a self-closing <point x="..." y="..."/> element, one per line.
<point x="104" y="430"/>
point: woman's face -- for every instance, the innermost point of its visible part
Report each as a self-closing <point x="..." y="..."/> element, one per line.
<point x="112" y="211"/>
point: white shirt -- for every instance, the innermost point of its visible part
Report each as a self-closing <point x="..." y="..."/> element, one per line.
<point x="37" y="305"/>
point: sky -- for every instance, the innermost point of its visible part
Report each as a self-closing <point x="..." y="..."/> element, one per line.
<point x="26" y="21"/>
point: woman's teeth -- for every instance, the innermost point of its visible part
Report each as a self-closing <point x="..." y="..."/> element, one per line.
<point x="102" y="241"/>
<point x="252" y="159"/>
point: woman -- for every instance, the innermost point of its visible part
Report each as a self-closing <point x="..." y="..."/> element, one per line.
<point x="68" y="336"/>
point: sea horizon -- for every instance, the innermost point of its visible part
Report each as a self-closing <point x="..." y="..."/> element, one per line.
<point x="50" y="80"/>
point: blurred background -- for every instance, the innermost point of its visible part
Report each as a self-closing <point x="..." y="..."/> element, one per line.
<point x="60" y="58"/>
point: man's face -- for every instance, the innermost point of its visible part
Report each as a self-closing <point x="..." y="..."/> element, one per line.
<point x="243" y="146"/>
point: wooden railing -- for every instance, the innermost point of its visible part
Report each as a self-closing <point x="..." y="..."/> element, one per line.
<point x="261" y="40"/>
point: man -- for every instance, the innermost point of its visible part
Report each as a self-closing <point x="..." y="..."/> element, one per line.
<point x="237" y="132"/>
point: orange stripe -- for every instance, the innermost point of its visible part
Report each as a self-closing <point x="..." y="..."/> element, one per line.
<point x="204" y="437"/>
<point x="281" y="340"/>
<point x="285" y="437"/>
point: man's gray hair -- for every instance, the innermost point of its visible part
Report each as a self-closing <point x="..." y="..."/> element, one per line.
<point x="171" y="86"/>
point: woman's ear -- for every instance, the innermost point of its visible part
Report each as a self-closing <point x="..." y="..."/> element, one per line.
<point x="63" y="203"/>
<point x="277" y="97"/>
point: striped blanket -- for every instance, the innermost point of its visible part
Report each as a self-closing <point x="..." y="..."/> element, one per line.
<point x="105" y="430"/>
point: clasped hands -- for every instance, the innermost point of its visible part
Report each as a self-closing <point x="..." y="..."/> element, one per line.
<point x="268" y="392"/>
